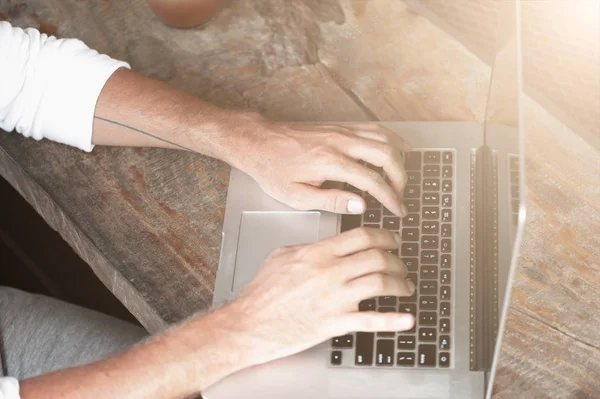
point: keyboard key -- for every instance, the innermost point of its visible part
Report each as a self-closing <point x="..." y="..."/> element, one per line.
<point x="336" y="358"/>
<point x="446" y="245"/>
<point x="372" y="202"/>
<point x="393" y="252"/>
<point x="414" y="177"/>
<point x="447" y="172"/>
<point x="447" y="200"/>
<point x="391" y="223"/>
<point x="429" y="242"/>
<point x="406" y="342"/>
<point x="447" y="157"/>
<point x="445" y="359"/>
<point x="347" y="341"/>
<point x="427" y="355"/>
<point x="371" y="225"/>
<point x="446" y="261"/>
<point x="408" y="308"/>
<point x="429" y="257"/>
<point x="367" y="305"/>
<point x="372" y="216"/>
<point x="430" y="212"/>
<point x="388" y="301"/>
<point x="411" y="264"/>
<point x="432" y="157"/>
<point x="430" y="227"/>
<point x="364" y="349"/>
<point x="413" y="205"/>
<point x="410" y="249"/>
<point x="427" y="319"/>
<point x="431" y="199"/>
<point x="428" y="303"/>
<point x="445" y="343"/>
<point x="385" y="352"/>
<point x="410" y="234"/>
<point x="431" y="185"/>
<point x="386" y="334"/>
<point x="387" y="212"/>
<point x="412" y="298"/>
<point x="445" y="309"/>
<point x="446" y="230"/>
<point x="445" y="277"/>
<point x="350" y="222"/>
<point x="405" y="359"/>
<point x="447" y="186"/>
<point x="429" y="272"/>
<point x="427" y="334"/>
<point x="514" y="163"/>
<point x="431" y="171"/>
<point x="445" y="326"/>
<point x="413" y="161"/>
<point x="446" y="215"/>
<point x="387" y="309"/>
<point x="411" y="191"/>
<point x="411" y="220"/>
<point x="428" y="287"/>
<point x="445" y="293"/>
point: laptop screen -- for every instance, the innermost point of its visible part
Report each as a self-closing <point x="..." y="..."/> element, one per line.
<point x="503" y="143"/>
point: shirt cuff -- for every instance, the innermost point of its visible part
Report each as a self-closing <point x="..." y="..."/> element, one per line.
<point x="9" y="388"/>
<point x="72" y="115"/>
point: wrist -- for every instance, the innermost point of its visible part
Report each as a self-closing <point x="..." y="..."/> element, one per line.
<point x="227" y="135"/>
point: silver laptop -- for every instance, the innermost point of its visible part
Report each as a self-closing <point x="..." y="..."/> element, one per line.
<point x="460" y="237"/>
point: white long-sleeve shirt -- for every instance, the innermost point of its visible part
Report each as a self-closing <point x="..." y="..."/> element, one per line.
<point x="48" y="89"/>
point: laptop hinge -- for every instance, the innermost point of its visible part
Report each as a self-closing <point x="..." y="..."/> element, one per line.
<point x="484" y="258"/>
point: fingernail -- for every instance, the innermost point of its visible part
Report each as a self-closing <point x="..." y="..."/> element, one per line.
<point x="397" y="238"/>
<point x="404" y="210"/>
<point x="411" y="286"/>
<point x="407" y="321"/>
<point x="355" y="206"/>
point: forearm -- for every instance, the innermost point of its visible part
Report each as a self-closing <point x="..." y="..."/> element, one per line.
<point x="177" y="364"/>
<point x="134" y="110"/>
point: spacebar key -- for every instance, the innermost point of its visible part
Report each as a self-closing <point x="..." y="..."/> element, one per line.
<point x="364" y="348"/>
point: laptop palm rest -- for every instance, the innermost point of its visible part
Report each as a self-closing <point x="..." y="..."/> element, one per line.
<point x="263" y="232"/>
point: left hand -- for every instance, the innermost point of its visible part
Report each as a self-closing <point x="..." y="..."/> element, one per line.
<point x="292" y="161"/>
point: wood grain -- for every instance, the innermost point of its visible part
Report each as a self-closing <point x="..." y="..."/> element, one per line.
<point x="148" y="221"/>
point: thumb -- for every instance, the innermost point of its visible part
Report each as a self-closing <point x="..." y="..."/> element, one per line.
<point x="307" y="197"/>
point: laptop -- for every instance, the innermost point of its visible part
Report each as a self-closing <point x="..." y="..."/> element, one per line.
<point x="459" y="242"/>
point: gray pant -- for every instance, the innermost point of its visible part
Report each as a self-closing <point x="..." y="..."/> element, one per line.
<point x="40" y="334"/>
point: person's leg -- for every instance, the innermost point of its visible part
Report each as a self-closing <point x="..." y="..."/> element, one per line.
<point x="40" y="334"/>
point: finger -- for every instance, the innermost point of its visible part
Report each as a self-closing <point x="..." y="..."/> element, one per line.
<point x="378" y="284"/>
<point x="377" y="132"/>
<point x="361" y="239"/>
<point x="382" y="155"/>
<point x="373" y="322"/>
<point x="369" y="262"/>
<point x="351" y="172"/>
<point x="307" y="197"/>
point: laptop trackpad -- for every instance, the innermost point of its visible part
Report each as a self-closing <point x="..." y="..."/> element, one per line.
<point x="263" y="232"/>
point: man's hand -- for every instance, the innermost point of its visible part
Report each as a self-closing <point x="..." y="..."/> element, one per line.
<point x="305" y="294"/>
<point x="289" y="161"/>
<point x="292" y="161"/>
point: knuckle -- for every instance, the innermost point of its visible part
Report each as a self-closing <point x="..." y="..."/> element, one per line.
<point x="364" y="234"/>
<point x="379" y="282"/>
<point x="378" y="256"/>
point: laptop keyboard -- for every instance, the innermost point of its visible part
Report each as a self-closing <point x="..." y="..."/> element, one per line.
<point x="427" y="250"/>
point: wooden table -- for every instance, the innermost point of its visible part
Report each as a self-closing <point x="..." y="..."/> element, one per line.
<point x="148" y="222"/>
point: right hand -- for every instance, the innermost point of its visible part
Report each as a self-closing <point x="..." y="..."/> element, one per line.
<point x="305" y="294"/>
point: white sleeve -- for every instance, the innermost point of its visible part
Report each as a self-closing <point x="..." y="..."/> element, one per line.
<point x="9" y="388"/>
<point x="49" y="87"/>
